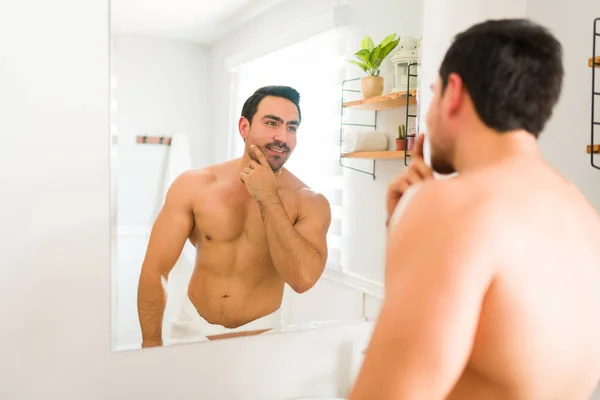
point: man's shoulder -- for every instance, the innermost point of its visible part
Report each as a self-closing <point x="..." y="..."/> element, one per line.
<point x="442" y="214"/>
<point x="306" y="197"/>
<point x="443" y="195"/>
<point x="191" y="183"/>
<point x="294" y="185"/>
<point x="196" y="177"/>
<point x="450" y="203"/>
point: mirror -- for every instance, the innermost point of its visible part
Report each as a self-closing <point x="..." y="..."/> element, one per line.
<point x="212" y="241"/>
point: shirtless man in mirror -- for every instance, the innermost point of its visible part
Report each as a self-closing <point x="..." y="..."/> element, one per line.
<point x="255" y="226"/>
<point x="492" y="276"/>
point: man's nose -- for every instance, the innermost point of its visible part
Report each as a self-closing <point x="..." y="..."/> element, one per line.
<point x="281" y="135"/>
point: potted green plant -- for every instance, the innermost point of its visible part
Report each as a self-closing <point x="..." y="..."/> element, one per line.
<point x="401" y="140"/>
<point x="370" y="58"/>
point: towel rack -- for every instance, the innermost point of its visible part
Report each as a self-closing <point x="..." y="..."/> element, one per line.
<point x="154" y="140"/>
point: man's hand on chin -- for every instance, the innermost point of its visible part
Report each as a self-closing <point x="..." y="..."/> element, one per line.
<point x="417" y="172"/>
<point x="259" y="177"/>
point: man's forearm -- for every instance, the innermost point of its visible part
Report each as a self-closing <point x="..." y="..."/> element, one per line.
<point x="296" y="260"/>
<point x="151" y="308"/>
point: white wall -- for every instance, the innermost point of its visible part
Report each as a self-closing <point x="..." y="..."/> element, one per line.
<point x="564" y="140"/>
<point x="161" y="89"/>
<point x="55" y="241"/>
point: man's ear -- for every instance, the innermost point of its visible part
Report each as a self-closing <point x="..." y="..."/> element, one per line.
<point x="453" y="95"/>
<point x="244" y="127"/>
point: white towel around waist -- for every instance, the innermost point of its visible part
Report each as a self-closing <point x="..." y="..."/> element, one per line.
<point x="190" y="326"/>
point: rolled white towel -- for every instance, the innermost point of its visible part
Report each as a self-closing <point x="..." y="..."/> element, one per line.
<point x="364" y="141"/>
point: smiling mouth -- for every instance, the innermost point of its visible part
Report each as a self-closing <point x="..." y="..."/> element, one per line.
<point x="276" y="150"/>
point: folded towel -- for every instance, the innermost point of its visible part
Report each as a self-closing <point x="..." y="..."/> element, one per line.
<point x="364" y="141"/>
<point x="179" y="160"/>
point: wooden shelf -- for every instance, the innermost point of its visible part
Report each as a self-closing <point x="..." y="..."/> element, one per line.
<point x="596" y="149"/>
<point x="376" y="155"/>
<point x="597" y="62"/>
<point x="384" y="102"/>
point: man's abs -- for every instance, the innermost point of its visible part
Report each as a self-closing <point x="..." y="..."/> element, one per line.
<point x="232" y="284"/>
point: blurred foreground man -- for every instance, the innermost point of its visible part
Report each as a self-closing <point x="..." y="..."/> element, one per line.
<point x="492" y="277"/>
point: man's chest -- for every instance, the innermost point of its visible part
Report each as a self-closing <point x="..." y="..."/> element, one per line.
<point x="226" y="215"/>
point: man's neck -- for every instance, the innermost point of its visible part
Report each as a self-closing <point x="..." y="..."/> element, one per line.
<point x="243" y="162"/>
<point x="487" y="147"/>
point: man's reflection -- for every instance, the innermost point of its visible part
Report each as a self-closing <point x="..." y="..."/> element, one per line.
<point x="255" y="227"/>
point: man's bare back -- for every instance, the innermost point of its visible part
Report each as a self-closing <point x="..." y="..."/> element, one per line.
<point x="538" y="333"/>
<point x="516" y="307"/>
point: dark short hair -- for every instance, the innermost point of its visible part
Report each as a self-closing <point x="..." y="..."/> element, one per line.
<point x="286" y="92"/>
<point x="512" y="69"/>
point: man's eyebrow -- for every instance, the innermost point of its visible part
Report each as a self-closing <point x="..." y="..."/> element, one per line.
<point x="276" y="118"/>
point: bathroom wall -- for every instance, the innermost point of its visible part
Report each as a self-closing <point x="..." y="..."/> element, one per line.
<point x="55" y="234"/>
<point x="565" y="138"/>
<point x="160" y="88"/>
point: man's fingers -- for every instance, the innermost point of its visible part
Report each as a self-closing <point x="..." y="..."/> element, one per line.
<point x="422" y="169"/>
<point x="413" y="176"/>
<point x="259" y="155"/>
<point x="253" y="164"/>
<point x="417" y="151"/>
<point x="392" y="201"/>
<point x="243" y="177"/>
<point x="417" y="172"/>
<point x="247" y="171"/>
<point x="410" y="177"/>
<point x="396" y="189"/>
